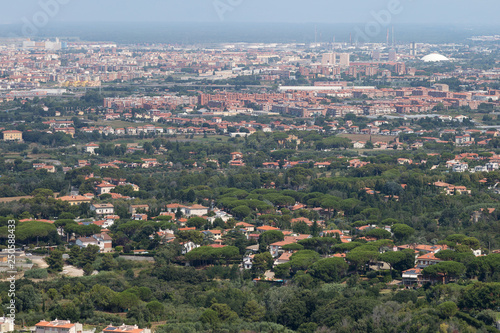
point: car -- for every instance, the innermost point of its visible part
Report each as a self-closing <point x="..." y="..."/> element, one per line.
<point x="28" y="254"/>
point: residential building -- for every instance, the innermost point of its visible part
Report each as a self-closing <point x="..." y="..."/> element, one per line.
<point x="134" y="208"/>
<point x="102" y="240"/>
<point x="103" y="209"/>
<point x="125" y="329"/>
<point x="196" y="210"/>
<point x="12" y="136"/>
<point x="58" y="326"/>
<point x="6" y="325"/>
<point x="75" y="199"/>
<point x="91" y="148"/>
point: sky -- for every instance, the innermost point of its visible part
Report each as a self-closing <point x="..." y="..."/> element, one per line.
<point x="429" y="12"/>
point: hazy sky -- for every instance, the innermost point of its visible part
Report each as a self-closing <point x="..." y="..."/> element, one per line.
<point x="466" y="12"/>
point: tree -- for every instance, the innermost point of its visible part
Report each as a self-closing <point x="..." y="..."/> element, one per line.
<point x="269" y="237"/>
<point x="156" y="308"/>
<point x="191" y="196"/>
<point x="241" y="211"/>
<point x="55" y="261"/>
<point x="108" y="263"/>
<point x="102" y="297"/>
<point x="190" y="236"/>
<point x="403" y="260"/>
<point x="361" y="258"/>
<point x="125" y="300"/>
<point x="302" y="260"/>
<point x="210" y="317"/>
<point x="329" y="269"/>
<point x="402" y="231"/>
<point x="88" y="255"/>
<point x="480" y="296"/>
<point x="67" y="311"/>
<point x="301" y="227"/>
<point x="27" y="298"/>
<point x="88" y="269"/>
<point x="450" y="269"/>
<point x="253" y="311"/>
<point x="378" y="233"/>
<point x="447" y="309"/>
<point x="197" y="222"/>
<point x="262" y="262"/>
<point x="218" y="312"/>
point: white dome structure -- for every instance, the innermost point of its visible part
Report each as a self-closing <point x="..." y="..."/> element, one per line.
<point x="434" y="57"/>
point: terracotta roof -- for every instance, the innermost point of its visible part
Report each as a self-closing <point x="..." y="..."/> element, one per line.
<point x="61" y="324"/>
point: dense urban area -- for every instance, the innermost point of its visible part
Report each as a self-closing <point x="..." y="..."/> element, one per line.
<point x="247" y="187"/>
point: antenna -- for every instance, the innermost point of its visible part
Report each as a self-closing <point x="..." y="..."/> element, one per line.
<point x="393" y="39"/>
<point x="387" y="38"/>
<point x="315" y="34"/>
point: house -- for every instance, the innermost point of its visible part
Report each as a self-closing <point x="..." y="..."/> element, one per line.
<point x="188" y="246"/>
<point x="91" y="148"/>
<point x="214" y="234"/>
<point x="165" y="235"/>
<point x="103" y="209"/>
<point x="246" y="226"/>
<point x="463" y="140"/>
<point x="248" y="261"/>
<point x="58" y="326"/>
<point x="283" y="258"/>
<point x="109" y="220"/>
<point x="102" y="240"/>
<point x="173" y="207"/>
<point x="301" y="219"/>
<point x="414" y="276"/>
<point x="196" y="210"/>
<point x="219" y="214"/>
<point x="104" y="187"/>
<point x="75" y="199"/>
<point x="460" y="167"/>
<point x="134" y="208"/>
<point x="359" y="144"/>
<point x="125" y="329"/>
<point x="236" y="156"/>
<point x="139" y="217"/>
<point x="404" y="161"/>
<point x="149" y="163"/>
<point x="276" y="248"/>
<point x="427" y="260"/>
<point x="6" y="325"/>
<point x="83" y="163"/>
<point x="266" y="228"/>
<point x="12" y="136"/>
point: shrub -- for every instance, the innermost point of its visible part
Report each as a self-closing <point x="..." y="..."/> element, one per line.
<point x="37" y="273"/>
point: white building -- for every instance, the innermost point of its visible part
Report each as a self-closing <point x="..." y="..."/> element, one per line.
<point x="125" y="329"/>
<point x="91" y="148"/>
<point x="102" y="240"/>
<point x="6" y="325"/>
<point x="196" y="210"/>
<point x="58" y="326"/>
<point x="188" y="246"/>
<point x="103" y="209"/>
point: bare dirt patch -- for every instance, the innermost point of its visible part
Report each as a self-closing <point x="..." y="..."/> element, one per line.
<point x="72" y="271"/>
